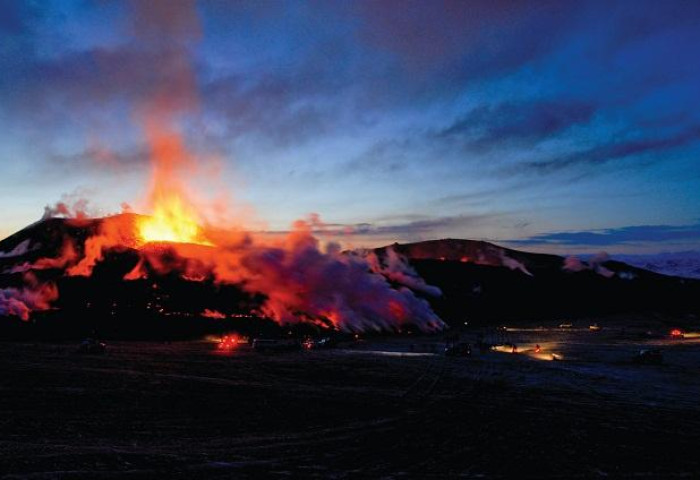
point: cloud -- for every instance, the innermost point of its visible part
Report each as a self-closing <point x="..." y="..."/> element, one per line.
<point x="403" y="227"/>
<point x="69" y="80"/>
<point x="470" y="40"/>
<point x="325" y="85"/>
<point x="489" y="124"/>
<point x="616" y="151"/>
<point x="281" y="109"/>
<point x="616" y="236"/>
<point x="102" y="158"/>
<point x="15" y="16"/>
<point x="418" y="228"/>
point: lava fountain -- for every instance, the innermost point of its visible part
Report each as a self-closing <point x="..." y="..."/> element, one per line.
<point x="173" y="218"/>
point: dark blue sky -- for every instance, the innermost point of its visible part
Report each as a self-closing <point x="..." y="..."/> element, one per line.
<point x="556" y="126"/>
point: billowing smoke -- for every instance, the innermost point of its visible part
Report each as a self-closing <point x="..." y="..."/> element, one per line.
<point x="299" y="281"/>
<point x="76" y="209"/>
<point x="513" y="264"/>
<point x="574" y="264"/>
<point x="595" y="263"/>
<point x="331" y="289"/>
<point x="395" y="267"/>
<point x="20" y="302"/>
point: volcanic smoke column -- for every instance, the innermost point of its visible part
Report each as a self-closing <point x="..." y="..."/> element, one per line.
<point x="300" y="282"/>
<point x="173" y="30"/>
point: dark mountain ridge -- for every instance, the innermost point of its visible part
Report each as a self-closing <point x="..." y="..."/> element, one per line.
<point x="481" y="283"/>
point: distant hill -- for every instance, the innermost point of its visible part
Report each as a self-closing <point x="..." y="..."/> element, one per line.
<point x="484" y="283"/>
<point x="481" y="283"/>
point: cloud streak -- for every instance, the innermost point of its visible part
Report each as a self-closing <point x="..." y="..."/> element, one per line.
<point x="601" y="155"/>
<point x="616" y="236"/>
<point x="489" y="124"/>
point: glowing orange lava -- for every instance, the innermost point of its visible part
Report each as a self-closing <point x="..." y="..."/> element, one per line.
<point x="174" y="217"/>
<point x="171" y="221"/>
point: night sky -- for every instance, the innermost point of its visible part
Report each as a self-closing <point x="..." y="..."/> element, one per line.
<point x="568" y="127"/>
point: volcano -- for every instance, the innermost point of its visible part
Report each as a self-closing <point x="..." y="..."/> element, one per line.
<point x="64" y="278"/>
<point x="68" y="276"/>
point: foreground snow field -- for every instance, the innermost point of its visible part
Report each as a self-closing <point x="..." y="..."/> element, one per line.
<point x="387" y="408"/>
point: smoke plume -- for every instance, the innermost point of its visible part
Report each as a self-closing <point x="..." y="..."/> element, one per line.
<point x="20" y="302"/>
<point x="574" y="264"/>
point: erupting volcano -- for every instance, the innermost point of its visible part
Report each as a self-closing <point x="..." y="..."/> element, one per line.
<point x="289" y="280"/>
<point x="174" y="262"/>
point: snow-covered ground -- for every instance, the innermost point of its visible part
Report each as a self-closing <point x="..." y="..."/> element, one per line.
<point x="680" y="264"/>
